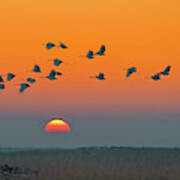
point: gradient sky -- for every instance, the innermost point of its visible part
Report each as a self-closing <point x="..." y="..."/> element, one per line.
<point x="118" y="111"/>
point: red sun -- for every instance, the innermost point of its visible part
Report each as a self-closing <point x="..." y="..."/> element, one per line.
<point x="57" y="125"/>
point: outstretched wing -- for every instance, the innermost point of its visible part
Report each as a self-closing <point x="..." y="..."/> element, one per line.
<point x="10" y="76"/>
<point x="2" y="86"/>
<point x="166" y="71"/>
<point x="1" y="79"/>
<point x="130" y="71"/>
<point x="90" y="55"/>
<point x="101" y="50"/>
<point x="50" y="45"/>
<point x="63" y="46"/>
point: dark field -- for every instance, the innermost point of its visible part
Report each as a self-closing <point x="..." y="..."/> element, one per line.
<point x="99" y="163"/>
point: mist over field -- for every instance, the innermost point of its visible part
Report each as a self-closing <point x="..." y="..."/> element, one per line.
<point x="98" y="163"/>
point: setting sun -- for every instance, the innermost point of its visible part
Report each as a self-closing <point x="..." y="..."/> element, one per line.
<point x="57" y="125"/>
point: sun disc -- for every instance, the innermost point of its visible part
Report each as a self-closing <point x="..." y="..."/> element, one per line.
<point x="57" y="125"/>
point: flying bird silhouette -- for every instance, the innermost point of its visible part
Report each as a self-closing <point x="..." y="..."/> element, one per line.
<point x="31" y="80"/>
<point x="52" y="75"/>
<point x="10" y="76"/>
<point x="57" y="62"/>
<point x="101" y="51"/>
<point x="100" y="76"/>
<point x="23" y="87"/>
<point x="36" y="68"/>
<point x="156" y="77"/>
<point x="166" y="71"/>
<point x="131" y="71"/>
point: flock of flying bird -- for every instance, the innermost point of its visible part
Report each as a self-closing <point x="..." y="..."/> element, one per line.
<point x="57" y="62"/>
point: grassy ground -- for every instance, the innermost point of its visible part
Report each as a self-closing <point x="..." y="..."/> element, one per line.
<point x="99" y="164"/>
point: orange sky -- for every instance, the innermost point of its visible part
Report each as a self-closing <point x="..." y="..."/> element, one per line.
<point x="137" y="33"/>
